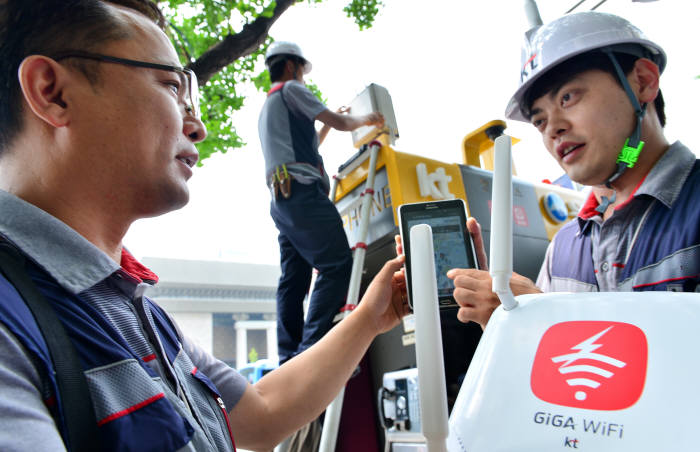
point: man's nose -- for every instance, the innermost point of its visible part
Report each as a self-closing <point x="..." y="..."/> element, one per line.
<point x="194" y="128"/>
<point x="557" y="124"/>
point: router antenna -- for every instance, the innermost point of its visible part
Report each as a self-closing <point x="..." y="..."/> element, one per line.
<point x="502" y="223"/>
<point x="533" y="14"/>
<point x="431" y="367"/>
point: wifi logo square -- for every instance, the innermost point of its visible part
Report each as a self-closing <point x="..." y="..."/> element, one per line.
<point x="595" y="365"/>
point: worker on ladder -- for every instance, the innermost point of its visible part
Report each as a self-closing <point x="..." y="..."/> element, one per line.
<point x="311" y="233"/>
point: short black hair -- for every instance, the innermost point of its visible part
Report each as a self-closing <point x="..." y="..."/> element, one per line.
<point x="562" y="73"/>
<point x="47" y="27"/>
<point x="277" y="67"/>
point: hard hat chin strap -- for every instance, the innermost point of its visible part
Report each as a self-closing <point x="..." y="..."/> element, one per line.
<point x="629" y="154"/>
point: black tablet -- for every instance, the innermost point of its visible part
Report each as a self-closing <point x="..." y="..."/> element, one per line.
<point x="453" y="245"/>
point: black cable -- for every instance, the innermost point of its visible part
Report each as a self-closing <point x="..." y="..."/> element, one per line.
<point x="575" y="6"/>
<point x="601" y="2"/>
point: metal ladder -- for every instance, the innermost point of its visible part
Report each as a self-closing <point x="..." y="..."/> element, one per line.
<point x="329" y="434"/>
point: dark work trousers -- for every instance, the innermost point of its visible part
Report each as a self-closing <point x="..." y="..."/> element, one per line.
<point x="311" y="236"/>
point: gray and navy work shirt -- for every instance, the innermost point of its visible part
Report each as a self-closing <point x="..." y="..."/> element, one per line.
<point x="651" y="242"/>
<point x="287" y="133"/>
<point x="116" y="293"/>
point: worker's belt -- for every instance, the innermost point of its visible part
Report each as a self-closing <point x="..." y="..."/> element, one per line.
<point x="281" y="183"/>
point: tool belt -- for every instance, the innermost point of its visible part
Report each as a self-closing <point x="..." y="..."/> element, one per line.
<point x="281" y="183"/>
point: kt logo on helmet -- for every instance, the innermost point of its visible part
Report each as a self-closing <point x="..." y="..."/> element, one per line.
<point x="593" y="364"/>
<point x="525" y="73"/>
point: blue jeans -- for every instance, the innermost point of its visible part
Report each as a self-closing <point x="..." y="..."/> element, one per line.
<point x="311" y="236"/>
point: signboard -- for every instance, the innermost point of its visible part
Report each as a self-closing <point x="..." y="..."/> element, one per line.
<point x="381" y="214"/>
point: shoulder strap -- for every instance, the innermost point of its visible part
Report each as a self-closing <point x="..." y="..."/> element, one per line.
<point x="76" y="403"/>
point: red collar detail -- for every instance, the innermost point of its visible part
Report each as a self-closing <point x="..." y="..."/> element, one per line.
<point x="631" y="196"/>
<point x="588" y="210"/>
<point x="276" y="88"/>
<point x="136" y="269"/>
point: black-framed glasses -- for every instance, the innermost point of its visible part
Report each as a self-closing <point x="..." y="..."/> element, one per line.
<point x="188" y="79"/>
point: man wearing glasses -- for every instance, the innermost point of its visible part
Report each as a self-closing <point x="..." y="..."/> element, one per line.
<point x="98" y="126"/>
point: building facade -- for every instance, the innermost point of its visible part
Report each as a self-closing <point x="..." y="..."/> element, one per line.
<point x="227" y="308"/>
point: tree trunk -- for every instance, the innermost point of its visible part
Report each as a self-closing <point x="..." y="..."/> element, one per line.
<point x="237" y="45"/>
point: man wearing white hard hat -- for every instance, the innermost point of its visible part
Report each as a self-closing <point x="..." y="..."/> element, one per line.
<point x="311" y="233"/>
<point x="590" y="84"/>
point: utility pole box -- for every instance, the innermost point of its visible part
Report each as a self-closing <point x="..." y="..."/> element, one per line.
<point x="374" y="98"/>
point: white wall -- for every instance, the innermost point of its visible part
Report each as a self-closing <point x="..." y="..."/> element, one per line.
<point x="197" y="326"/>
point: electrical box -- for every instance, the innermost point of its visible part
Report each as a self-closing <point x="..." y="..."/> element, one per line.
<point x="399" y="411"/>
<point x="374" y="98"/>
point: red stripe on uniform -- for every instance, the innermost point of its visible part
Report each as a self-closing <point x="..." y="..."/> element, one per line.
<point x="131" y="409"/>
<point x="148" y="358"/>
<point x="665" y="280"/>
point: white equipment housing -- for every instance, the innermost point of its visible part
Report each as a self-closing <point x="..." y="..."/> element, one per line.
<point x="519" y="394"/>
<point x="374" y="98"/>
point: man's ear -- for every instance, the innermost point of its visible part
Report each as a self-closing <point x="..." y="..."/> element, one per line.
<point x="289" y="67"/>
<point x="645" y="76"/>
<point x="43" y="81"/>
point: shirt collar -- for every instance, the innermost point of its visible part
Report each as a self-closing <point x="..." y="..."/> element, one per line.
<point x="68" y="257"/>
<point x="275" y="87"/>
<point x="664" y="182"/>
<point x="666" y="179"/>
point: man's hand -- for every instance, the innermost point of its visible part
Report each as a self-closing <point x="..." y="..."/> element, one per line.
<point x="473" y="286"/>
<point x="385" y="302"/>
<point x="474" y="295"/>
<point x="475" y="230"/>
<point x="374" y="119"/>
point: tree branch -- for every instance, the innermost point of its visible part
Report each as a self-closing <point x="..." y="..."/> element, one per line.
<point x="235" y="46"/>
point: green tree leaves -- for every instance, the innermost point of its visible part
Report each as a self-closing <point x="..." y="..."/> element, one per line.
<point x="363" y="11"/>
<point x="221" y="41"/>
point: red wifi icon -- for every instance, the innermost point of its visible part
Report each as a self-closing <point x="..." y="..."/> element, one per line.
<point x="590" y="364"/>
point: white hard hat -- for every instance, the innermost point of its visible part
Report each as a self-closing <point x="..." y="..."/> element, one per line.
<point x="571" y="35"/>
<point x="282" y="48"/>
